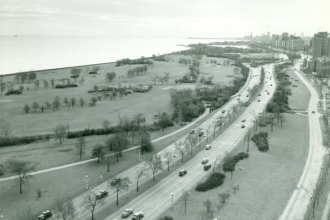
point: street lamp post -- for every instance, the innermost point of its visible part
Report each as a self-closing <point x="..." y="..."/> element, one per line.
<point x="173" y="136"/>
<point x="86" y="182"/>
<point x="172" y="199"/>
<point x="139" y="155"/>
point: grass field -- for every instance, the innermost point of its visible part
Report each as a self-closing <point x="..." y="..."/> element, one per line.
<point x="266" y="180"/>
<point x="73" y="178"/>
<point x="300" y="95"/>
<point x="158" y="99"/>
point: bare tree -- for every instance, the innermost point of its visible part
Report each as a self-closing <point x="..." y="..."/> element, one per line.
<point x="121" y="184"/>
<point x="142" y="171"/>
<point x="21" y="168"/>
<point x="223" y="197"/>
<point x="109" y="158"/>
<point x="192" y="140"/>
<point x="154" y="163"/>
<point x="42" y="108"/>
<point x="66" y="101"/>
<point x="247" y="137"/>
<point x="73" y="101"/>
<point x="91" y="202"/>
<point x="60" y="132"/>
<point x="185" y="198"/>
<point x="105" y="125"/>
<point x="169" y="157"/>
<point x="5" y="129"/>
<point x="26" y="108"/>
<point x="35" y="105"/>
<point x="46" y="84"/>
<point x="235" y="188"/>
<point x="80" y="145"/>
<point x="180" y="147"/>
<point x="98" y="152"/>
<point x="209" y="207"/>
<point x="217" y="163"/>
<point x="64" y="208"/>
<point x="2" y="87"/>
<point x="282" y="118"/>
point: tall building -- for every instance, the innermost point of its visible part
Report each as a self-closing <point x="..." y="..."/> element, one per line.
<point x="320" y="45"/>
<point x="285" y="36"/>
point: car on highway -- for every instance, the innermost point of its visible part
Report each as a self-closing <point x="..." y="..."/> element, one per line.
<point x="201" y="134"/>
<point x="313" y="111"/>
<point x="101" y="194"/>
<point x="205" y="160"/>
<point x="126" y="213"/>
<point x="45" y="215"/>
<point x="115" y="181"/>
<point x="243" y="126"/>
<point x="271" y="84"/>
<point x="237" y="98"/>
<point x="247" y="95"/>
<point x="223" y="111"/>
<point x="192" y="131"/>
<point x="259" y="94"/>
<point x="207" y="166"/>
<point x="239" y="95"/>
<point x="258" y="100"/>
<point x="183" y="172"/>
<point x="268" y="93"/>
<point x="138" y="216"/>
<point x="243" y="120"/>
<point x="208" y="147"/>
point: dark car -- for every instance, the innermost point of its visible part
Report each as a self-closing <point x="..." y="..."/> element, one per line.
<point x="192" y="131"/>
<point x="126" y="213"/>
<point x="201" y="134"/>
<point x="259" y="100"/>
<point x="243" y="120"/>
<point x="138" y="216"/>
<point x="207" y="166"/>
<point x="271" y="84"/>
<point x="115" y="181"/>
<point x="223" y="111"/>
<point x="243" y="126"/>
<point x="259" y="94"/>
<point x="268" y="93"/>
<point x="247" y="95"/>
<point x="45" y="215"/>
<point x="313" y="111"/>
<point x="237" y="98"/>
<point x="101" y="194"/>
<point x="182" y="172"/>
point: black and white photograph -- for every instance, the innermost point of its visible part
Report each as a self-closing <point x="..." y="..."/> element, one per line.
<point x="164" y="110"/>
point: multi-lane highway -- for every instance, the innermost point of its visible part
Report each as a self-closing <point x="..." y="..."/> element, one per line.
<point x="301" y="197"/>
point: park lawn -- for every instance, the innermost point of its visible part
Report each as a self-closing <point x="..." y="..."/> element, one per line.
<point x="300" y="97"/>
<point x="266" y="181"/>
<point x="73" y="178"/>
<point x="260" y="55"/>
<point x="158" y="99"/>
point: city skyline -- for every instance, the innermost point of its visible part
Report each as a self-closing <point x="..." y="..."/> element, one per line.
<point x="169" y="18"/>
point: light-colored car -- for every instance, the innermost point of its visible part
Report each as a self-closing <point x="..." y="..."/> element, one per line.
<point x="205" y="160"/>
<point x="208" y="147"/>
<point x="138" y="216"/>
<point x="126" y="213"/>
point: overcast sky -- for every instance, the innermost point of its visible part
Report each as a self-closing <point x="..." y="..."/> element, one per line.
<point x="163" y="18"/>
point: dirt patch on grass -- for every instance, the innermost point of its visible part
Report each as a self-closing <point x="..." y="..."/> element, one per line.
<point x="266" y="180"/>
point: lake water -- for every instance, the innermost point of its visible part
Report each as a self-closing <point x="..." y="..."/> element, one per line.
<point x="25" y="53"/>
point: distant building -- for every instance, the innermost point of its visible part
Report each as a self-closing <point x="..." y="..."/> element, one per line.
<point x="319" y="65"/>
<point x="292" y="43"/>
<point x="320" y="45"/>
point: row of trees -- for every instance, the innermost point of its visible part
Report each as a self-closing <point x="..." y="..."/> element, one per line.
<point x="137" y="71"/>
<point x="25" y="76"/>
<point x="161" y="79"/>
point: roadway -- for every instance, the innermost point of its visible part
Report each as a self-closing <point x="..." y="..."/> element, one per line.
<point x="157" y="199"/>
<point x="297" y="206"/>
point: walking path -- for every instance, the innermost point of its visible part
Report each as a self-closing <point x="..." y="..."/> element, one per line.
<point x="130" y="149"/>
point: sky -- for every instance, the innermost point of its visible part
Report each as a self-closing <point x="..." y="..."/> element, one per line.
<point x="163" y="18"/>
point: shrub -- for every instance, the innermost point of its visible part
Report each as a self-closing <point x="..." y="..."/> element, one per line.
<point x="14" y="92"/>
<point x="213" y="181"/>
<point x="92" y="72"/>
<point x="261" y="141"/>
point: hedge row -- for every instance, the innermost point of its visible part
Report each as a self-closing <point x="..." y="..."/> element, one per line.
<point x="15" y="92"/>
<point x="213" y="181"/>
<point x="261" y="141"/>
<point x="60" y="86"/>
<point x="5" y="142"/>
